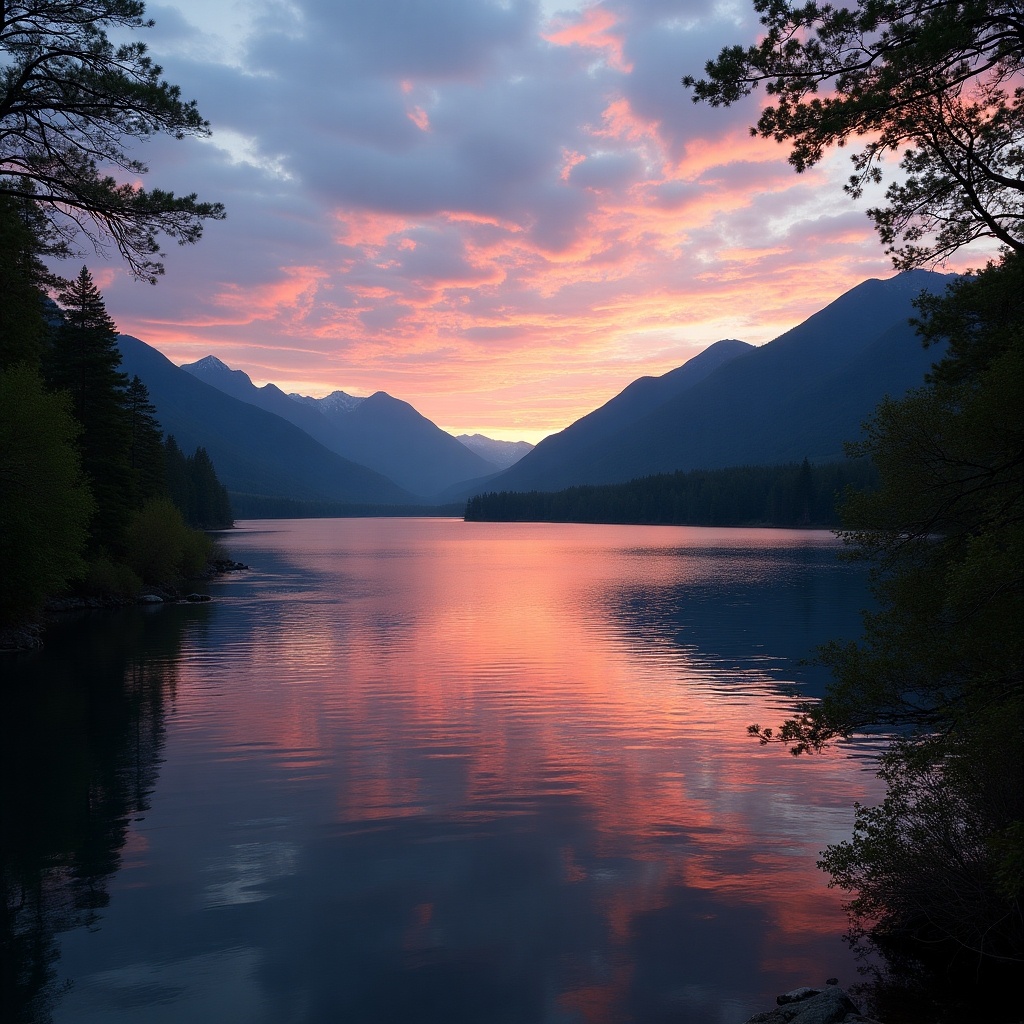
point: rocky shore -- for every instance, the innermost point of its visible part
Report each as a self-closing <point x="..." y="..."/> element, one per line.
<point x="828" y="1005"/>
<point x="29" y="636"/>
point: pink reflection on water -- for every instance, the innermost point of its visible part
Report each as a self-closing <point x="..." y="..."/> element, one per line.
<point x="482" y="676"/>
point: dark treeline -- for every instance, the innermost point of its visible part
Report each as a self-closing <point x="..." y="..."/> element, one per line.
<point x="195" y="490"/>
<point x="261" y="506"/>
<point x="94" y="501"/>
<point x="791" y="495"/>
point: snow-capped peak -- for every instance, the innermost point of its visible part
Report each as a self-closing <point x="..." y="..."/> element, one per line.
<point x="336" y="402"/>
<point x="209" y="363"/>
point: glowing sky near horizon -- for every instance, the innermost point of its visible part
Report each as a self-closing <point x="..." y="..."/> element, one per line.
<point x="501" y="211"/>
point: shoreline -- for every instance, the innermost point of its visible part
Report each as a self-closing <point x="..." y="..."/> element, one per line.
<point x="828" y="1005"/>
<point x="28" y="636"/>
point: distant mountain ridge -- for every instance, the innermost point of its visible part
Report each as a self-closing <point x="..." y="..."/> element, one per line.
<point x="502" y="453"/>
<point x="383" y="433"/>
<point x="254" y="451"/>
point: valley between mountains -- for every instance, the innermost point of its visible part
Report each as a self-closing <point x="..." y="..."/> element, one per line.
<point x="800" y="396"/>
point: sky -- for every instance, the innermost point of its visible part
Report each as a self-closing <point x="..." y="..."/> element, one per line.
<point x="500" y="211"/>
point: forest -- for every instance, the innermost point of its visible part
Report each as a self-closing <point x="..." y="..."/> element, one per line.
<point x="97" y="502"/>
<point x="793" y="495"/>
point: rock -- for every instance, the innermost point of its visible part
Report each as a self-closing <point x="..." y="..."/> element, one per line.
<point x="796" y="995"/>
<point x="830" y="1005"/>
<point x="197" y="598"/>
<point x="22" y="638"/>
<point x="150" y="599"/>
<point x="65" y="604"/>
<point x="227" y="565"/>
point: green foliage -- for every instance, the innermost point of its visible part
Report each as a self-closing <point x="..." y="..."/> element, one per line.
<point x="980" y="316"/>
<point x="45" y="505"/>
<point x="108" y="578"/>
<point x="938" y="861"/>
<point x="69" y="98"/>
<point x="790" y="495"/>
<point x="161" y="548"/>
<point x="86" y="463"/>
<point x="936" y="81"/>
<point x="194" y="489"/>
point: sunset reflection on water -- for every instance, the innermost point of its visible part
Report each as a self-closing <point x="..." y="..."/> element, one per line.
<point x="518" y="751"/>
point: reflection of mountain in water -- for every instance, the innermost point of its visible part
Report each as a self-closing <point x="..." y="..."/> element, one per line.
<point x="81" y="729"/>
<point x="784" y="604"/>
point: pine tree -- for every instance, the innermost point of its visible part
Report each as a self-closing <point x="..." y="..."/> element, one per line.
<point x="84" y="361"/>
<point x="145" y="451"/>
<point x="176" y="475"/>
<point x="72" y="101"/>
<point x="209" y="506"/>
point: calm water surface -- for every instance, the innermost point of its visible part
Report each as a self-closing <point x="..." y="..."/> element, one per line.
<point x="434" y="771"/>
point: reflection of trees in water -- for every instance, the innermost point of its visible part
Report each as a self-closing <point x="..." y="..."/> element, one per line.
<point x="81" y="729"/>
<point x="767" y="609"/>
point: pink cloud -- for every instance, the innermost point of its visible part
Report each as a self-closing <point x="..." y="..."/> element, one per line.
<point x="419" y="117"/>
<point x="592" y="29"/>
<point x="291" y="295"/>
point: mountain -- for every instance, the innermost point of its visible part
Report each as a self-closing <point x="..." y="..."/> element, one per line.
<point x="501" y="453"/>
<point x="254" y="451"/>
<point x="381" y="432"/>
<point x="801" y="395"/>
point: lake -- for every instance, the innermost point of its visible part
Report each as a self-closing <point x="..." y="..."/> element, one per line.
<point x="434" y="771"/>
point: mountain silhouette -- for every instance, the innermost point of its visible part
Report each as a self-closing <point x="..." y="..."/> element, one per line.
<point x="381" y="432"/>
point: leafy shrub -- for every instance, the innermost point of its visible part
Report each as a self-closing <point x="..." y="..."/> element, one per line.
<point x="938" y="861"/>
<point x="106" y="578"/>
<point x="161" y="548"/>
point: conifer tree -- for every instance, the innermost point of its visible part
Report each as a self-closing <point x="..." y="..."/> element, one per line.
<point x="935" y="83"/>
<point x="84" y="361"/>
<point x="146" y="454"/>
<point x="209" y="506"/>
<point x="71" y="101"/>
<point x="176" y="474"/>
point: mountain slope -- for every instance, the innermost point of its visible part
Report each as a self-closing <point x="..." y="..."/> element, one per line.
<point x="392" y="437"/>
<point x="547" y="464"/>
<point x="799" y="396"/>
<point x="254" y="451"/>
<point x="380" y="432"/>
